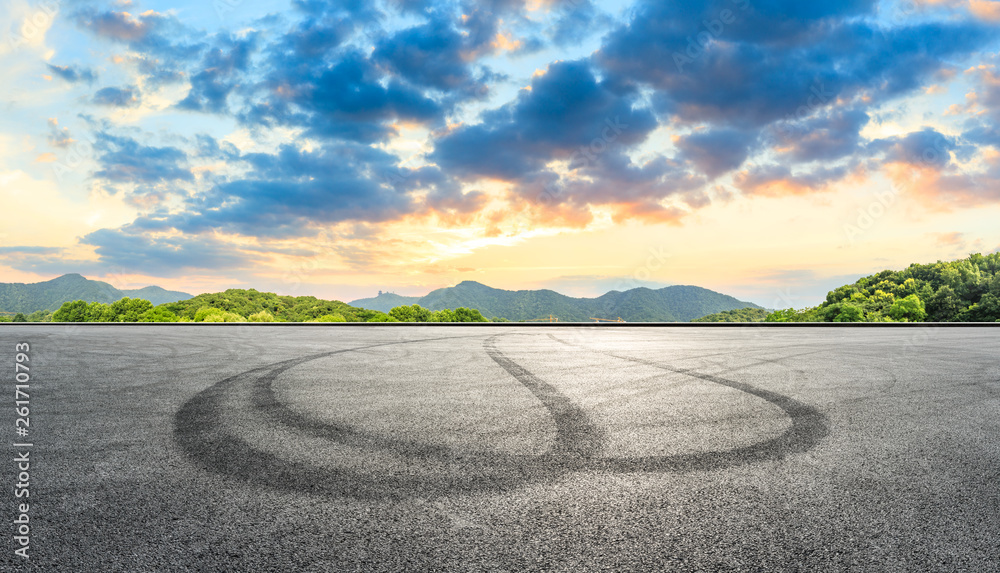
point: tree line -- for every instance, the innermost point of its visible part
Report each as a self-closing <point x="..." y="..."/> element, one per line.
<point x="966" y="290"/>
<point x="140" y="310"/>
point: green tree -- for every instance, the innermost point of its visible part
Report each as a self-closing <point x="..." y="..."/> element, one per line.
<point x="380" y="317"/>
<point x="463" y="314"/>
<point x="207" y="314"/>
<point x="19" y="317"/>
<point x="100" y="312"/>
<point x="262" y="316"/>
<point x="330" y="318"/>
<point x="849" y="313"/>
<point x="783" y="315"/>
<point x="75" y="311"/>
<point x="413" y="313"/>
<point x="944" y="305"/>
<point x="130" y="309"/>
<point x="158" y="314"/>
<point x="908" y="309"/>
<point x="443" y="315"/>
<point x="986" y="310"/>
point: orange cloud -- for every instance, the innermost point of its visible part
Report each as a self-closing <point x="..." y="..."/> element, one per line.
<point x="985" y="9"/>
<point x="944" y="188"/>
<point x="647" y="212"/>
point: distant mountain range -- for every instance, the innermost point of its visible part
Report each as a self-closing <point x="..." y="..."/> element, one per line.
<point x="50" y="295"/>
<point x="669" y="304"/>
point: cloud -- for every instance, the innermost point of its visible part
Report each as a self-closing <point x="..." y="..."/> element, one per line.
<point x="73" y="74"/>
<point x="349" y="99"/>
<point x="923" y="163"/>
<point x="774" y="58"/>
<point x="926" y="147"/>
<point x="30" y="250"/>
<point x="717" y="151"/>
<point x="828" y="136"/>
<point x="567" y="114"/>
<point x="218" y="76"/>
<point x="163" y="256"/>
<point x="774" y="180"/>
<point x="432" y="55"/>
<point x="125" y="160"/>
<point x="295" y="192"/>
<point x="127" y="96"/>
<point x="150" y="32"/>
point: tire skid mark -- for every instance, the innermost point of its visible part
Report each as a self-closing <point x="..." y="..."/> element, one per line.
<point x="201" y="433"/>
<point x="809" y="426"/>
<point x="575" y="433"/>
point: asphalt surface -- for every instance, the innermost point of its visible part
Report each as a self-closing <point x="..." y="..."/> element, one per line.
<point x="221" y="448"/>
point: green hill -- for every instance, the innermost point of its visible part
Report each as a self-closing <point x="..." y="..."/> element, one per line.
<point x="966" y="290"/>
<point x="385" y="301"/>
<point x="282" y="308"/>
<point x="155" y="294"/>
<point x="50" y="295"/>
<point x="669" y="304"/>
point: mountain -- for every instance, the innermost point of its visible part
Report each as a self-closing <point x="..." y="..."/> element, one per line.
<point x="385" y="301"/>
<point x="156" y="295"/>
<point x="669" y="304"/>
<point x="50" y="295"/>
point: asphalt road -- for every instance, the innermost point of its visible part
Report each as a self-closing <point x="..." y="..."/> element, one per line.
<point x="221" y="448"/>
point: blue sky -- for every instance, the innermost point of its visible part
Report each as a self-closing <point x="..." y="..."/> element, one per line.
<point x="769" y="150"/>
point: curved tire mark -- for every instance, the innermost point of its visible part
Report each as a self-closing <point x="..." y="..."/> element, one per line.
<point x="809" y="426"/>
<point x="201" y="433"/>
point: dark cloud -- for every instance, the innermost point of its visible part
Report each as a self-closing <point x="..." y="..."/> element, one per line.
<point x="290" y="192"/>
<point x="73" y="74"/>
<point x="124" y="160"/>
<point x="576" y="21"/>
<point x="432" y="55"/>
<point x="163" y="256"/>
<point x="219" y="75"/>
<point x="775" y="60"/>
<point x="925" y="147"/>
<point x="776" y="180"/>
<point x="150" y="32"/>
<point x="349" y="99"/>
<point x="717" y="151"/>
<point x="830" y="135"/>
<point x="983" y="134"/>
<point x="127" y="96"/>
<point x="567" y="114"/>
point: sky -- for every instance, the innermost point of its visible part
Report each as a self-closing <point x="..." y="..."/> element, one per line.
<point x="770" y="150"/>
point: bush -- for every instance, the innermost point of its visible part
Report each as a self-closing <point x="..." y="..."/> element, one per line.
<point x="158" y="315"/>
<point x="262" y="316"/>
<point x="330" y="318"/>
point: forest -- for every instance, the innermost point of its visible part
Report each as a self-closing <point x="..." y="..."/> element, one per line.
<point x="238" y="305"/>
<point x="966" y="290"/>
<point x="748" y="314"/>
